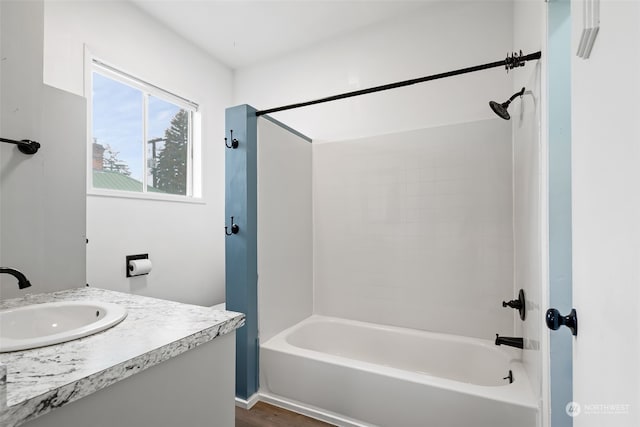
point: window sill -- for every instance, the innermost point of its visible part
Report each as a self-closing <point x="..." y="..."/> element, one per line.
<point x="146" y="196"/>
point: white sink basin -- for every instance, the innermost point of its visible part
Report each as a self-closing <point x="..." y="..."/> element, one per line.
<point x="40" y="325"/>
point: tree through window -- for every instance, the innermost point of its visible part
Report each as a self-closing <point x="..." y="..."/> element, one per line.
<point x="142" y="140"/>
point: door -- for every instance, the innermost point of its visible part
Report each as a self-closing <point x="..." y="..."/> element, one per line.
<point x="606" y="219"/>
<point x="605" y="214"/>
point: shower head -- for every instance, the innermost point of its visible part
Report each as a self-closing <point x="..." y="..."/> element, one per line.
<point x="501" y="108"/>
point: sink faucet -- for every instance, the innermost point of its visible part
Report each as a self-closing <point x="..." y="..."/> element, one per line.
<point x="510" y="341"/>
<point x="22" y="280"/>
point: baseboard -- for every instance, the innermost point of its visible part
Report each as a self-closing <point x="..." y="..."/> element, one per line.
<point x="311" y="411"/>
<point x="248" y="404"/>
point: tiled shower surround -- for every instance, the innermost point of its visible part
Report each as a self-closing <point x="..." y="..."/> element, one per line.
<point x="415" y="229"/>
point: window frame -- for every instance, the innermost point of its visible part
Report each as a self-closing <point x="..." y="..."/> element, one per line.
<point x="194" y="154"/>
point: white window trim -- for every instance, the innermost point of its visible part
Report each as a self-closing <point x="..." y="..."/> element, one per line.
<point x="195" y="171"/>
<point x="103" y="192"/>
<point x="142" y="85"/>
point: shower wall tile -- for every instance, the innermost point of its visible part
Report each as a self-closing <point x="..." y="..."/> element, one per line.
<point x="415" y="229"/>
<point x="285" y="239"/>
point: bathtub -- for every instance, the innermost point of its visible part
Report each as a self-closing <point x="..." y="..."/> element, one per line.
<point x="354" y="373"/>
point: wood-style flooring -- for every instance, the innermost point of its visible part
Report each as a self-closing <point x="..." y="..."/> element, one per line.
<point x="265" y="415"/>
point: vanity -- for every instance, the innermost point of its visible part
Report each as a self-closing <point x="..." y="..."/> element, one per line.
<point x="165" y="364"/>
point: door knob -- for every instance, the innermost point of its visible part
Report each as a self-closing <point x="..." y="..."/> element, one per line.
<point x="554" y="320"/>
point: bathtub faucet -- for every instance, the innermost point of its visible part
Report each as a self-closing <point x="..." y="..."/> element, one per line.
<point x="22" y="280"/>
<point x="510" y="341"/>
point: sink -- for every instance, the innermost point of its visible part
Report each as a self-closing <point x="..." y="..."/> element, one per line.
<point x="39" y="325"/>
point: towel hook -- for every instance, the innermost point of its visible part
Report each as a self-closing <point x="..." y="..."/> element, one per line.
<point x="234" y="142"/>
<point x="234" y="228"/>
<point x="26" y="146"/>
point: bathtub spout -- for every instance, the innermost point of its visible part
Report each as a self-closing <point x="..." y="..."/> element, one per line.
<point x="510" y="341"/>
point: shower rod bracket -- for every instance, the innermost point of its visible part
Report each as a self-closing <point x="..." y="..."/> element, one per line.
<point x="26" y="146"/>
<point x="234" y="141"/>
<point x="514" y="61"/>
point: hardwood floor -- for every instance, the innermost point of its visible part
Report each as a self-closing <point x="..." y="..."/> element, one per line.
<point x="265" y="415"/>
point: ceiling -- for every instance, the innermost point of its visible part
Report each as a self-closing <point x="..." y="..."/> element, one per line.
<point x="241" y="33"/>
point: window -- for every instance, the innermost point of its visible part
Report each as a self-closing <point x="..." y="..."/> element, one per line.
<point x="142" y="137"/>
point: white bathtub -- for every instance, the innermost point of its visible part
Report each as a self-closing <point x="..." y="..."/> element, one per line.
<point x="360" y="374"/>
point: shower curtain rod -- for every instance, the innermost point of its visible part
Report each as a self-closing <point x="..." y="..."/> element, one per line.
<point x="510" y="62"/>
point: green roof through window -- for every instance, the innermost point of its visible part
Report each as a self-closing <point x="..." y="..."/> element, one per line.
<point x="117" y="181"/>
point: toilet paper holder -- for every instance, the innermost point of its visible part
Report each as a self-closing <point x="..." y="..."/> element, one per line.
<point x="130" y="258"/>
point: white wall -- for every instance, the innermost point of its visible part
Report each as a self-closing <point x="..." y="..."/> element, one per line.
<point x="439" y="37"/>
<point x="414" y="229"/>
<point x="2" y="37"/>
<point x="285" y="239"/>
<point x="43" y="195"/>
<point x="606" y="209"/>
<point x="185" y="241"/>
<point x="529" y="211"/>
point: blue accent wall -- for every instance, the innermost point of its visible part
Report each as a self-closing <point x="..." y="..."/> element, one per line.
<point x="241" y="250"/>
<point x="560" y="274"/>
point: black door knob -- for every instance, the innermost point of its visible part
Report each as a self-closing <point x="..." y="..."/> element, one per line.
<point x="554" y="320"/>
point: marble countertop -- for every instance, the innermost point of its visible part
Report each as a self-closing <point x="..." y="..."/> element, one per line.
<point x="42" y="379"/>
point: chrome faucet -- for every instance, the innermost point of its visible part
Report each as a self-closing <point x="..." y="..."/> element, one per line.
<point x="22" y="279"/>
<point x="510" y="341"/>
